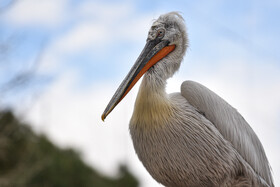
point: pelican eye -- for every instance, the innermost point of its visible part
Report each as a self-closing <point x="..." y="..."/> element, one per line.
<point x="160" y="33"/>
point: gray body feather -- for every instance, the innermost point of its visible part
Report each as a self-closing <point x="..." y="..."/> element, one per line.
<point x="188" y="149"/>
<point x="231" y="125"/>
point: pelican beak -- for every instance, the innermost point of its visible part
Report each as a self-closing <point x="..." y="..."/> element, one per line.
<point x="153" y="51"/>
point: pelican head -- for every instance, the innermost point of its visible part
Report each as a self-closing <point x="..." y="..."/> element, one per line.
<point x="161" y="57"/>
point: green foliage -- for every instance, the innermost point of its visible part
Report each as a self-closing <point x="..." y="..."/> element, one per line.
<point x="30" y="160"/>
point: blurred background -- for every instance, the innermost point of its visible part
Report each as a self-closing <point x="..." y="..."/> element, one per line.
<point x="62" y="60"/>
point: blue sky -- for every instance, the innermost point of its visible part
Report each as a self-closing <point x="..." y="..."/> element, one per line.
<point x="87" y="47"/>
<point x="251" y="25"/>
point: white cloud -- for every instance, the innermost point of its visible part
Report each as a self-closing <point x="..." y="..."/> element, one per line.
<point x="102" y="25"/>
<point x="49" y="63"/>
<point x="45" y="13"/>
<point x="81" y="37"/>
<point x="88" y="26"/>
<point x="104" y="12"/>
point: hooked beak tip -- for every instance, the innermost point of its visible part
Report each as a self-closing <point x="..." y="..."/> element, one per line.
<point x="103" y="117"/>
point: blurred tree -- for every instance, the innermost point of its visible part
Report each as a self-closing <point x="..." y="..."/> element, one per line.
<point x="30" y="160"/>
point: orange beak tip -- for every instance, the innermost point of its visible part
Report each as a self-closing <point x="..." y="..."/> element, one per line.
<point x="103" y="117"/>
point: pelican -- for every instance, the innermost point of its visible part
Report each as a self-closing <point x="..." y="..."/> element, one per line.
<point x="191" y="138"/>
